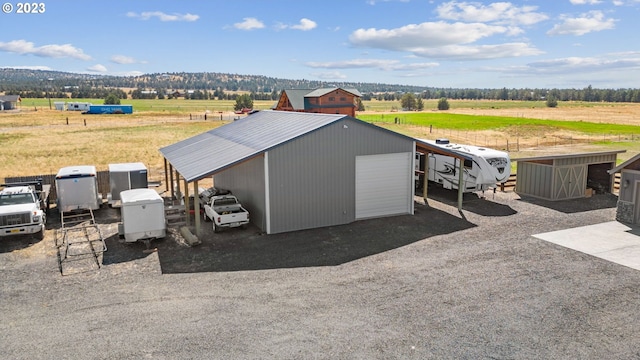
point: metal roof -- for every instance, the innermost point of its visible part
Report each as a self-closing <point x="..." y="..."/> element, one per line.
<point x="324" y="91"/>
<point x="565" y="156"/>
<point x="297" y="96"/>
<point x="211" y="152"/>
<point x="10" y="98"/>
<point x="624" y="164"/>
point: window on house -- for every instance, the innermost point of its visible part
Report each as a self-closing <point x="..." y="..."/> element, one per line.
<point x="331" y="98"/>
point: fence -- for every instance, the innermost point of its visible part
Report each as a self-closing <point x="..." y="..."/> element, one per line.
<point x="514" y="139"/>
<point x="103" y="183"/>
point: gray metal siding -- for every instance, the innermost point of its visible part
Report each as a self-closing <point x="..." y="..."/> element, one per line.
<point x="534" y="180"/>
<point x="247" y="181"/>
<point x="585" y="160"/>
<point x="312" y="178"/>
<point x="627" y="193"/>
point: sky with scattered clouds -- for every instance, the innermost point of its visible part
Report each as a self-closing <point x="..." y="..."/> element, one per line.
<point x="458" y="44"/>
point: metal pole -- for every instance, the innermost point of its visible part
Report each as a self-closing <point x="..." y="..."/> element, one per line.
<point x="196" y="207"/>
<point x="425" y="180"/>
<point x="166" y="175"/>
<point x="460" y="184"/>
<point x="187" y="211"/>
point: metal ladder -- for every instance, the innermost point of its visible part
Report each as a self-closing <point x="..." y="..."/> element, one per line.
<point x="79" y="238"/>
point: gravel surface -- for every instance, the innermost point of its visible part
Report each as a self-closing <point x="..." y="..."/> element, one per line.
<point x="437" y="285"/>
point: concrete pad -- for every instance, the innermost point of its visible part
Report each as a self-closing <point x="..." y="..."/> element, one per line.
<point x="612" y="241"/>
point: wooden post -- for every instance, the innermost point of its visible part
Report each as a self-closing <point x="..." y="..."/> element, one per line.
<point x="460" y="184"/>
<point x="170" y="184"/>
<point x="178" y="186"/>
<point x="196" y="207"/>
<point x="187" y="204"/>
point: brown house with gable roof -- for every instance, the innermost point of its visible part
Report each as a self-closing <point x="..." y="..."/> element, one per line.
<point x="324" y="101"/>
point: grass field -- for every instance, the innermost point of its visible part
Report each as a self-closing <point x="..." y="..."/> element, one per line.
<point x="36" y="140"/>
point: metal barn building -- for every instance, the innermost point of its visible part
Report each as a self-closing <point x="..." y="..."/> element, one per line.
<point x="628" y="208"/>
<point x="296" y="171"/>
<point x="569" y="176"/>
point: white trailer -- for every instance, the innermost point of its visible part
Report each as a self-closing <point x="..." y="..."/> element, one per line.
<point x="486" y="167"/>
<point x="77" y="189"/>
<point x="142" y="213"/>
<point x="125" y="176"/>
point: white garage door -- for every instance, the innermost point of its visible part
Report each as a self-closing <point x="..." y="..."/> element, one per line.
<point x="384" y="185"/>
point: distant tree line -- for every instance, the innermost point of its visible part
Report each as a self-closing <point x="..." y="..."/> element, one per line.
<point x="210" y="85"/>
<point x="588" y="94"/>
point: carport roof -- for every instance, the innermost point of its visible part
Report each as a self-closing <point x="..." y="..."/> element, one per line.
<point x="218" y="149"/>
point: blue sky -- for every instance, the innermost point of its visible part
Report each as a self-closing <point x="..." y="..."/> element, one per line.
<point x="460" y="44"/>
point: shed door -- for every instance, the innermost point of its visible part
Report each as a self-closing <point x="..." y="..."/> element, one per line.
<point x="570" y="182"/>
<point x="383" y="185"/>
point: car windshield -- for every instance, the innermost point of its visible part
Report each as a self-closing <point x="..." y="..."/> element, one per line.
<point x="15" y="199"/>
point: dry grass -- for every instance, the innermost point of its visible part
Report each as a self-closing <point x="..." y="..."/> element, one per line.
<point x="41" y="142"/>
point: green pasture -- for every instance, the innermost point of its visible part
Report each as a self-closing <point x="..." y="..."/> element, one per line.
<point x="156" y="105"/>
<point x="481" y="122"/>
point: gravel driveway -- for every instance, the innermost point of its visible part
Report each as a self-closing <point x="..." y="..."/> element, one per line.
<point x="437" y="285"/>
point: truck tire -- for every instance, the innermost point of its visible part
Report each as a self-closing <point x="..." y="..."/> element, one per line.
<point x="215" y="228"/>
<point x="40" y="234"/>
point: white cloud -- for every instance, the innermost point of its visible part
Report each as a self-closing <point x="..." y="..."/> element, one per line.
<point x="480" y="52"/>
<point x="331" y="75"/>
<point x="34" y="67"/>
<point x="122" y="59"/>
<point x="443" y="40"/>
<point x="617" y="62"/>
<point x="373" y="2"/>
<point x="97" y="68"/>
<point x="498" y="13"/>
<point x="584" y="2"/>
<point x="24" y="47"/>
<point x="249" y="23"/>
<point x="305" y="25"/>
<point x="426" y="35"/>
<point x="586" y="23"/>
<point x="381" y="64"/>
<point x="163" y="16"/>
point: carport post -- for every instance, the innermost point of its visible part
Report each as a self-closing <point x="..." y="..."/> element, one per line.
<point x="425" y="179"/>
<point x="177" y="186"/>
<point x="166" y="174"/>
<point x="170" y="184"/>
<point x="187" y="214"/>
<point x="196" y="207"/>
<point x="460" y="183"/>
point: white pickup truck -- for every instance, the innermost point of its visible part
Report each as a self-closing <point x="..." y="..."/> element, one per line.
<point x="23" y="209"/>
<point x="226" y="212"/>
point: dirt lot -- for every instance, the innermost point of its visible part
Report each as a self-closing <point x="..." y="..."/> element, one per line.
<point x="439" y="284"/>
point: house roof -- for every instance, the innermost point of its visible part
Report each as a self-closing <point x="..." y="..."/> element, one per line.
<point x="206" y="154"/>
<point x="624" y="164"/>
<point x="297" y="96"/>
<point x="11" y="98"/>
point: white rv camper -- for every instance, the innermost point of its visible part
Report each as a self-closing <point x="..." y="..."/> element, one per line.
<point x="484" y="169"/>
<point x="77" y="188"/>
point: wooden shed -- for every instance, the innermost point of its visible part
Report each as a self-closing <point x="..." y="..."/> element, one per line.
<point x="628" y="208"/>
<point x="567" y="176"/>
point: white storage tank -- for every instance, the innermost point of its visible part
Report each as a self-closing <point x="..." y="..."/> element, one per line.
<point x="142" y="215"/>
<point x="125" y="176"/>
<point x="77" y="188"/>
